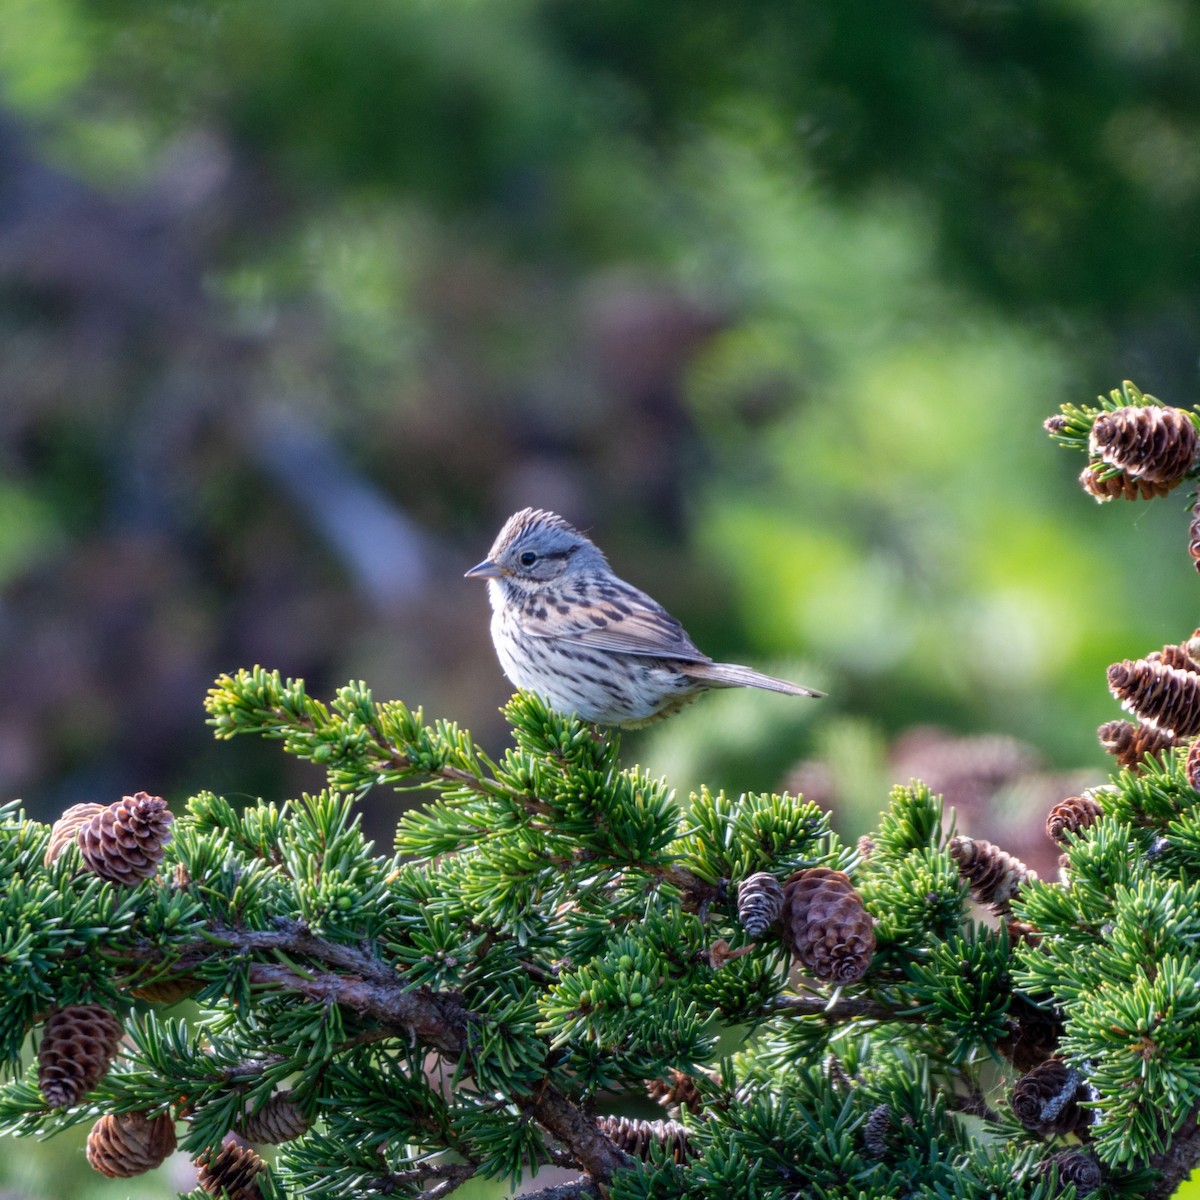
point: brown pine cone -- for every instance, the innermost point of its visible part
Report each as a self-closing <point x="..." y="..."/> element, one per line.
<point x="1185" y="655"/>
<point x="1191" y="766"/>
<point x="678" y="1090"/>
<point x="759" y="903"/>
<point x="1097" y="482"/>
<point x="1046" y="1100"/>
<point x="636" y="1137"/>
<point x="233" y="1168"/>
<point x="1151" y="442"/>
<point x="1129" y="743"/>
<point x="64" y="830"/>
<point x="122" y="1145"/>
<point x="124" y="842"/>
<point x="279" y="1120"/>
<point x="78" y="1045"/>
<point x="993" y="874"/>
<point x="1172" y="656"/>
<point x="1071" y="815"/>
<point x="1033" y="1034"/>
<point x="1162" y="696"/>
<point x="1077" y="1167"/>
<point x="825" y="925"/>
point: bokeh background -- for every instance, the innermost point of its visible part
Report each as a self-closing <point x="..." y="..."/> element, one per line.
<point x="299" y="300"/>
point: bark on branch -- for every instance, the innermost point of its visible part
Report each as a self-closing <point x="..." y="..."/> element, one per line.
<point x="372" y="990"/>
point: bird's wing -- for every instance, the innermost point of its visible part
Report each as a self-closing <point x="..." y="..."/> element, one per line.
<point x="616" y="617"/>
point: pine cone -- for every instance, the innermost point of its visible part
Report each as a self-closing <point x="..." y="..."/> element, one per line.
<point x="1071" y="815"/>
<point x="1146" y="441"/>
<point x="78" y="1045"/>
<point x="1129" y="743"/>
<point x="1162" y="696"/>
<point x="64" y="830"/>
<point x="279" y="1120"/>
<point x="233" y="1168"/>
<point x="1191" y="766"/>
<point x="1046" y="1100"/>
<point x="636" y="1137"/>
<point x="1185" y="655"/>
<point x="124" y="842"/>
<point x="1033" y="1035"/>
<point x="678" y="1090"/>
<point x="1174" y="655"/>
<point x="1077" y="1167"/>
<point x="759" y="903"/>
<point x="1194" y="536"/>
<point x="993" y="874"/>
<point x="825" y="925"/>
<point x="1096" y="481"/>
<point x="876" y="1129"/>
<point x="122" y="1145"/>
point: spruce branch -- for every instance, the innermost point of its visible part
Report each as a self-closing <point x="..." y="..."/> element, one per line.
<point x="372" y="991"/>
<point x="556" y="1113"/>
<point x="554" y="930"/>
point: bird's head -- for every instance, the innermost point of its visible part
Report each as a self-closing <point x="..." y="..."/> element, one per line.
<point x="536" y="548"/>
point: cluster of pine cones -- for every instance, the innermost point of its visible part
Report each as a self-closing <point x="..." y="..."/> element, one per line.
<point x="79" y="1043"/>
<point x="1162" y="691"/>
<point x="821" y="920"/>
<point x="1137" y="450"/>
<point x="124" y="843"/>
<point x="818" y="915"/>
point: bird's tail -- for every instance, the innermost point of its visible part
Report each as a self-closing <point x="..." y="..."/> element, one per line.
<point x="732" y="675"/>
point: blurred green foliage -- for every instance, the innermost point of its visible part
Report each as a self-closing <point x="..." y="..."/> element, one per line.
<point x="921" y="227"/>
<point x="903" y="234"/>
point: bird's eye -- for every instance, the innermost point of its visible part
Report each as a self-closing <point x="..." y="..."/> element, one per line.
<point x="528" y="558"/>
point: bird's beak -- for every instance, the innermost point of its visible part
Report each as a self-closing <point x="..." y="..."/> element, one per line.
<point x="485" y="570"/>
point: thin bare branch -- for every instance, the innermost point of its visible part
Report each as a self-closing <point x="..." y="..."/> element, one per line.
<point x="845" y="1008"/>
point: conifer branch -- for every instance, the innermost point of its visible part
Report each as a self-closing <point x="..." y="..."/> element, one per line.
<point x="577" y="1189"/>
<point x="437" y="1019"/>
<point x="373" y="990"/>
<point x="445" y="1178"/>
<point x="562" y="1119"/>
<point x="554" y="928"/>
<point x="369" y="987"/>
